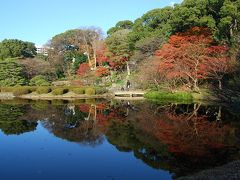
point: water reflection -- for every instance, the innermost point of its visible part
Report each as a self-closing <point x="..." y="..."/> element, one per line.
<point x="180" y="138"/>
<point x="10" y="122"/>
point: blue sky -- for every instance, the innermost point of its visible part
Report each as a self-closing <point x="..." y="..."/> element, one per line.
<point x="39" y="20"/>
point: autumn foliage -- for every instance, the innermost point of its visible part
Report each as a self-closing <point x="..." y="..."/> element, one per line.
<point x="197" y="135"/>
<point x="105" y="57"/>
<point x="190" y="57"/>
<point x="83" y="68"/>
<point x="102" y="71"/>
<point x="102" y="56"/>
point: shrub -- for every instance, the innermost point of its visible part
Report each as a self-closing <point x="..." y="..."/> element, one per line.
<point x="18" y="91"/>
<point x="59" y="91"/>
<point x="15" y="88"/>
<point x="7" y="89"/>
<point x="178" y="96"/>
<point x="32" y="88"/>
<point x="90" y="91"/>
<point x="43" y="90"/>
<point x="39" y="81"/>
<point x="83" y="69"/>
<point x="102" y="71"/>
<point x="78" y="90"/>
<point x="101" y="91"/>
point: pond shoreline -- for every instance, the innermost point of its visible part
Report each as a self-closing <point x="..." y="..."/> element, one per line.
<point x="34" y="96"/>
<point x="158" y="96"/>
<point x="67" y="96"/>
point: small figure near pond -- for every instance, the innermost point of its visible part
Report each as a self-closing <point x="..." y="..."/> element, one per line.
<point x="128" y="85"/>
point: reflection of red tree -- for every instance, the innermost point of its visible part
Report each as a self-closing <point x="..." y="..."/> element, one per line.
<point x="195" y="136"/>
<point x="84" y="108"/>
<point x="102" y="116"/>
<point x="103" y="119"/>
<point x="101" y="106"/>
<point x="187" y="133"/>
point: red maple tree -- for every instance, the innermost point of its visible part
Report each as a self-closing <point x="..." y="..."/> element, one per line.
<point x="102" y="71"/>
<point x="102" y="55"/>
<point x="189" y="57"/>
<point x="83" y="68"/>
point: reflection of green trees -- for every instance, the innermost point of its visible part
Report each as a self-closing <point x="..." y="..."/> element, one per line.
<point x="40" y="105"/>
<point x="10" y="122"/>
<point x="9" y="112"/>
<point x="17" y="127"/>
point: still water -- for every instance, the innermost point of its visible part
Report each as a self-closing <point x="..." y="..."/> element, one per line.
<point x="105" y="139"/>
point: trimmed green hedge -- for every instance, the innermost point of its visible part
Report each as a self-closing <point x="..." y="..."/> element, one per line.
<point x="178" y="96"/>
<point x="60" y="91"/>
<point x="43" y="90"/>
<point x="15" y="88"/>
<point x="18" y="91"/>
<point x="39" y="80"/>
<point x="77" y="90"/>
<point x="7" y="89"/>
<point x="90" y="91"/>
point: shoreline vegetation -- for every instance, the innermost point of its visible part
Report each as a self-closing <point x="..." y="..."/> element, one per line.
<point x="45" y="93"/>
<point x="75" y="93"/>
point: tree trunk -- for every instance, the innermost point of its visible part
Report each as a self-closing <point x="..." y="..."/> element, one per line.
<point x="231" y="32"/>
<point x="128" y="70"/>
<point x="220" y="84"/>
<point x="219" y="115"/>
<point x="87" y="52"/>
<point x="195" y="86"/>
<point x="95" y="60"/>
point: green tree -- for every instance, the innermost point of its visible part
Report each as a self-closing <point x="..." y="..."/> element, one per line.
<point x="11" y="48"/>
<point x="118" y="43"/>
<point x="11" y="74"/>
<point x="146" y="47"/>
<point x="154" y="23"/>
<point x="230" y="17"/>
<point x="79" y="59"/>
<point x="221" y="16"/>
<point x="126" y="24"/>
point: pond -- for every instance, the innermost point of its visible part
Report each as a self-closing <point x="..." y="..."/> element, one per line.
<point x="109" y="139"/>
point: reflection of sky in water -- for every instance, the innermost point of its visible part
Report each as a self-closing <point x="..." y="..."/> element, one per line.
<point x="40" y="155"/>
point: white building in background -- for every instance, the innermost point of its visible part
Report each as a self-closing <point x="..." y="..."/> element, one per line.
<point x="42" y="50"/>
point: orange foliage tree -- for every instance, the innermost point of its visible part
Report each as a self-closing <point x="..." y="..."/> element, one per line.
<point x="108" y="60"/>
<point x="83" y="68"/>
<point x="102" y="71"/>
<point x="102" y="55"/>
<point x="189" y="57"/>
